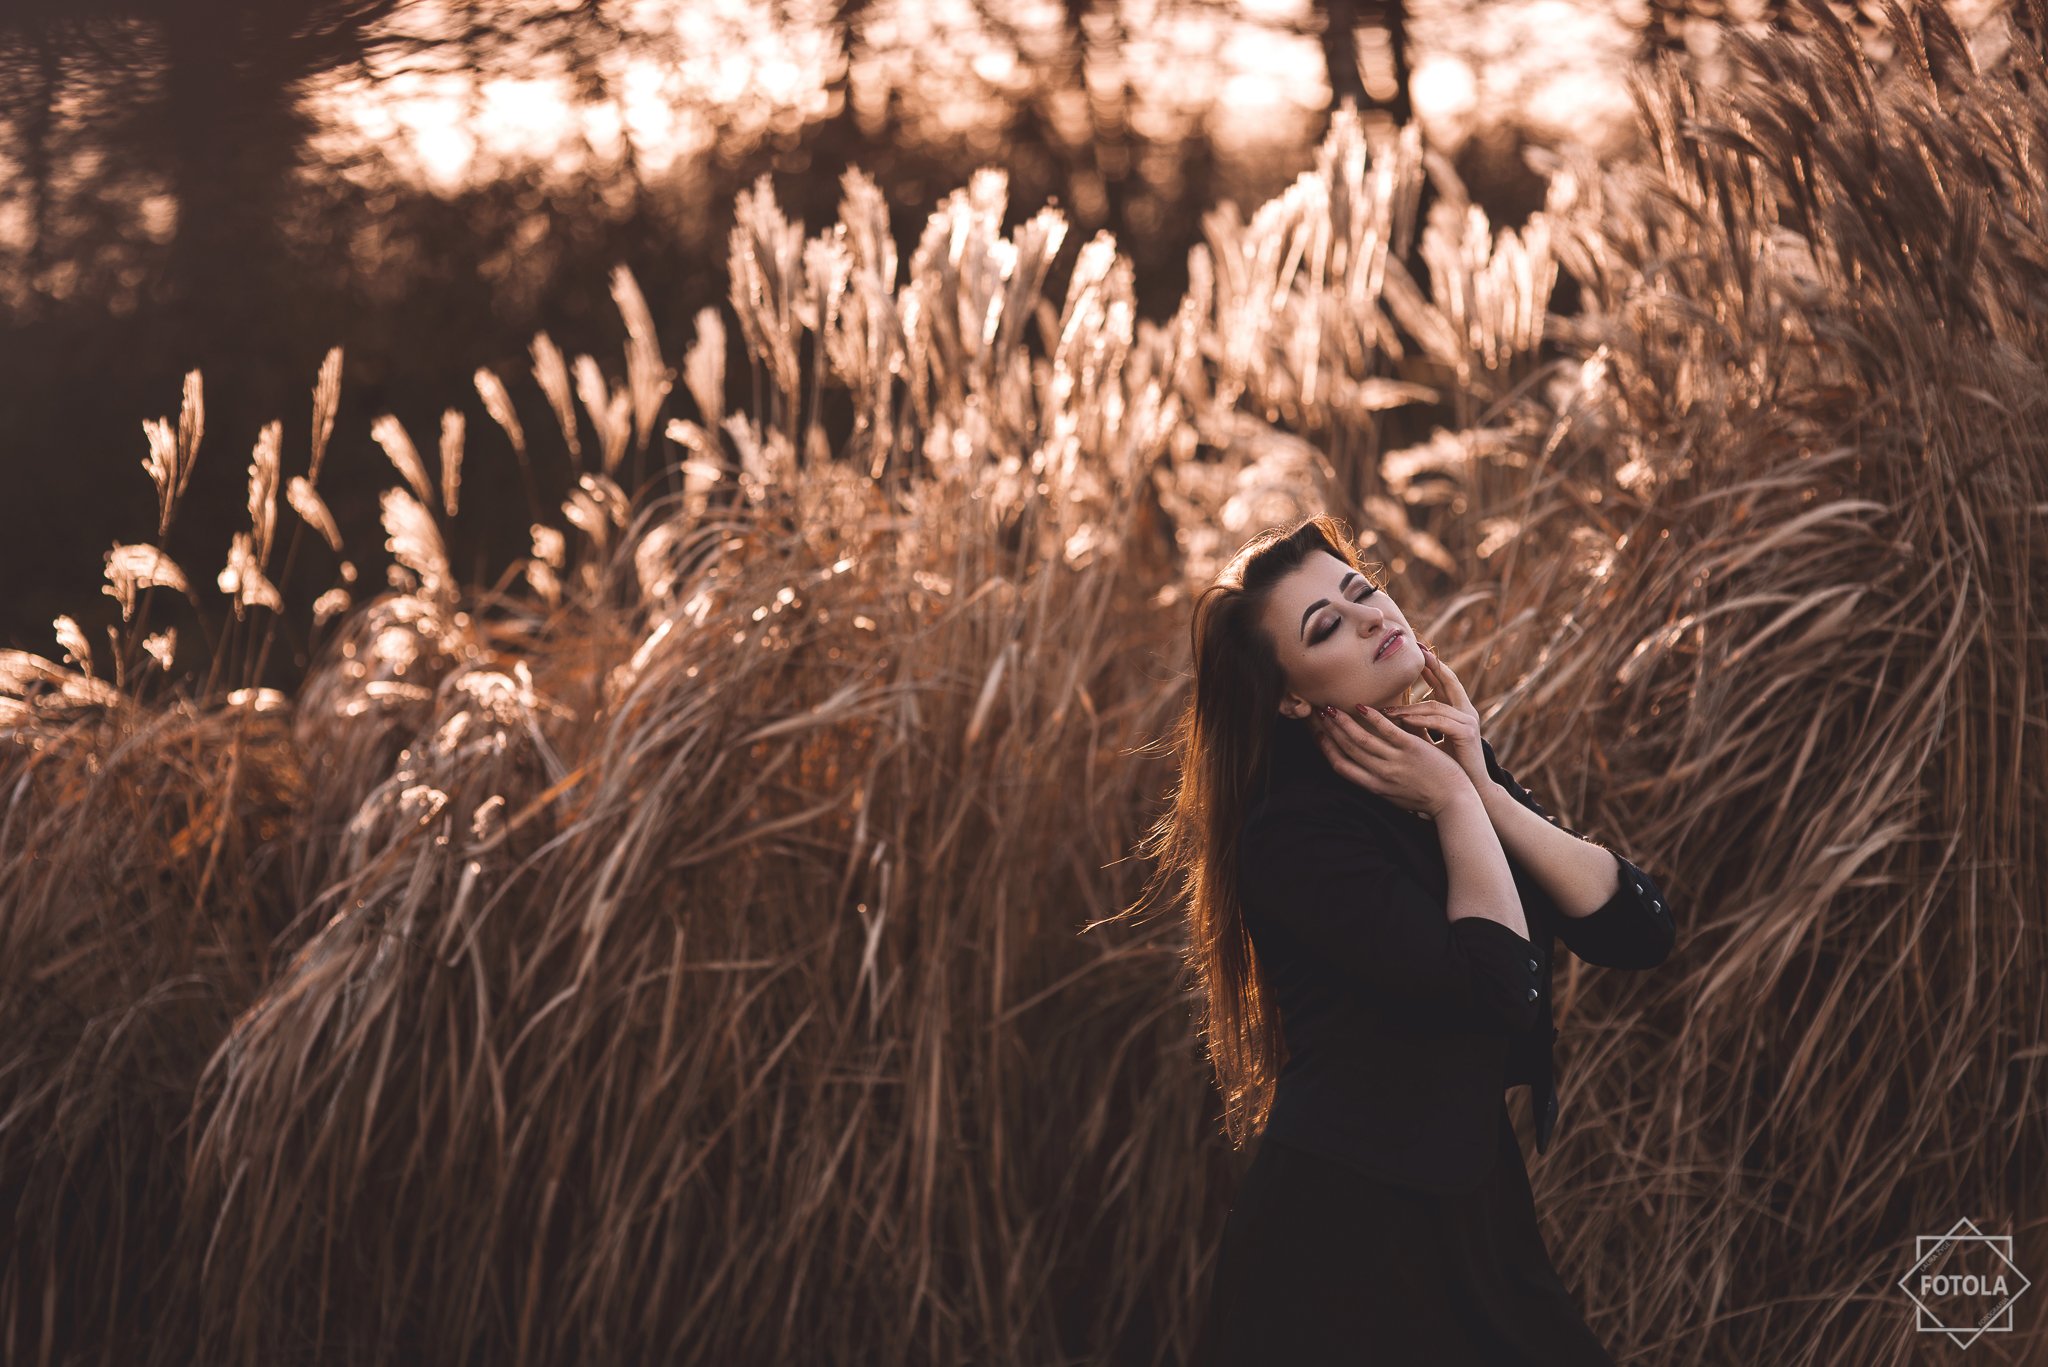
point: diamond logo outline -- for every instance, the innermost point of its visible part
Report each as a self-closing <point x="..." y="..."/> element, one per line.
<point x="1928" y="1248"/>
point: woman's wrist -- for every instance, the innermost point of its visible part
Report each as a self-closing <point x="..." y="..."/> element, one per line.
<point x="1457" y="799"/>
<point x="1481" y="779"/>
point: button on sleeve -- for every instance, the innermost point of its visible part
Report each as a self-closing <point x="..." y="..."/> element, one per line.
<point x="1334" y="887"/>
<point x="1500" y="775"/>
<point x="1632" y="929"/>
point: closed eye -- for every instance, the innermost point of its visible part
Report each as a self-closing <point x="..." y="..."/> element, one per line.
<point x="1322" y="633"/>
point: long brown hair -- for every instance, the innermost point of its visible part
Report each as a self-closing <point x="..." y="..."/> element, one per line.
<point x="1221" y="741"/>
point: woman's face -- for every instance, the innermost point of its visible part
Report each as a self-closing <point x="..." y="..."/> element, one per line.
<point x="1341" y="642"/>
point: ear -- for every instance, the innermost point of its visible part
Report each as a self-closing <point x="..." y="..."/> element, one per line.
<point x="1296" y="706"/>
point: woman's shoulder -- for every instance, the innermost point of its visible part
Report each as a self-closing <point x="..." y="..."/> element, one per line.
<point x="1299" y="818"/>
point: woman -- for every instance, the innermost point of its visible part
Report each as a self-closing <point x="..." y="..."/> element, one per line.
<point x="1374" y="901"/>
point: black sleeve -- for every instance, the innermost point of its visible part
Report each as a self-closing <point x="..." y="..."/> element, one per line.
<point x="1633" y="928"/>
<point x="1334" y="888"/>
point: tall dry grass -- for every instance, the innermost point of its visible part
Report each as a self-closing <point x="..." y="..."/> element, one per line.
<point x="675" y="951"/>
<point x="1813" y="682"/>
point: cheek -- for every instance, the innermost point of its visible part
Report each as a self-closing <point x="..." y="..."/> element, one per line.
<point x="1299" y="671"/>
<point x="1305" y="670"/>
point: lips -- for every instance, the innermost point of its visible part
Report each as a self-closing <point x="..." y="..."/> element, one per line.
<point x="1393" y="641"/>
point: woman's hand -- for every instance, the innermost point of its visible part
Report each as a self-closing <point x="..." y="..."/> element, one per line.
<point x="1382" y="758"/>
<point x="1451" y="714"/>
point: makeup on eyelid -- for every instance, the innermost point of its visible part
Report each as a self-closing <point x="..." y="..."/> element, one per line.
<point x="1322" y="632"/>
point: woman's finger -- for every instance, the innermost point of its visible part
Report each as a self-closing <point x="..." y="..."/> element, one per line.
<point x="1401" y="742"/>
<point x="1379" y="723"/>
<point x="1453" y="687"/>
<point x="1351" y="740"/>
<point x="1431" y="713"/>
<point x="1350" y="768"/>
<point x="1369" y="734"/>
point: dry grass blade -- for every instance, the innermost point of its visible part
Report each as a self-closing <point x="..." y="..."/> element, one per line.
<point x="73" y="639"/>
<point x="552" y="374"/>
<point x="132" y="567"/>
<point x="609" y="411"/>
<point x="312" y="510"/>
<point x="453" y="427"/>
<point x="263" y="477"/>
<point x="242" y="578"/>
<point x="388" y="432"/>
<point x="414" y="540"/>
<point x="326" y="403"/>
<point x="704" y="367"/>
<point x="498" y="403"/>
<point x="648" y="378"/>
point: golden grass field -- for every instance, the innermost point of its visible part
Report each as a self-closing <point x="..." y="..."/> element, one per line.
<point x="676" y="952"/>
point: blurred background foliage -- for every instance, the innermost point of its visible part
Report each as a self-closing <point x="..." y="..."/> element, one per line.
<point x="237" y="185"/>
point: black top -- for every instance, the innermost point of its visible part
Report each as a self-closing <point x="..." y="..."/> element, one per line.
<point x="1403" y="1026"/>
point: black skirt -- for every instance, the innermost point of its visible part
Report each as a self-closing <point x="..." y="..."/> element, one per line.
<point x="1322" y="1264"/>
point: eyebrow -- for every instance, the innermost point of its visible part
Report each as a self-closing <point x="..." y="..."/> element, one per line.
<point x="1342" y="584"/>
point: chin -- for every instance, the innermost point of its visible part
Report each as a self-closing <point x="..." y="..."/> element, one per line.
<point x="1384" y="684"/>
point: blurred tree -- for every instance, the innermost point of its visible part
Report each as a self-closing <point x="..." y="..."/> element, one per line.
<point x="228" y="129"/>
<point x="1341" y="21"/>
